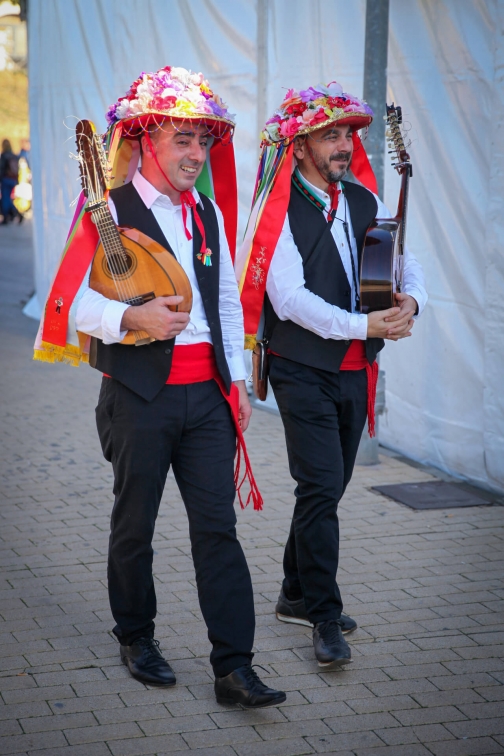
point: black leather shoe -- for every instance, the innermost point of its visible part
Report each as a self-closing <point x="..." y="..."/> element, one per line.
<point x="145" y="663"/>
<point x="331" y="649"/>
<point x="244" y="687"/>
<point x="295" y="612"/>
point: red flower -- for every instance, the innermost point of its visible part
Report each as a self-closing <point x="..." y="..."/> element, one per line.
<point x="336" y="102"/>
<point x="163" y="103"/>
<point x="296" y="109"/>
<point x="319" y="116"/>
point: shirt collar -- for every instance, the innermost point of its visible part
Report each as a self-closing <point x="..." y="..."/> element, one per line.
<point x="149" y="194"/>
<point x="314" y="189"/>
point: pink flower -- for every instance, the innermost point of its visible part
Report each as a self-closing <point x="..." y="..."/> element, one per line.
<point x="289" y="128"/>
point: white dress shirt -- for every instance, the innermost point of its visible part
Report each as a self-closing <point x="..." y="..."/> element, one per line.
<point x="286" y="286"/>
<point x="101" y="317"/>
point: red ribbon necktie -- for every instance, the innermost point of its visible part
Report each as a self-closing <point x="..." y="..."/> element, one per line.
<point x="334" y="193"/>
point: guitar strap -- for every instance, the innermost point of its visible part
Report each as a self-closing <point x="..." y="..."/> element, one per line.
<point x="354" y="272"/>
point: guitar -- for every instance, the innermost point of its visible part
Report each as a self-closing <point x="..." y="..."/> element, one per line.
<point x="382" y="262"/>
<point x="128" y="266"/>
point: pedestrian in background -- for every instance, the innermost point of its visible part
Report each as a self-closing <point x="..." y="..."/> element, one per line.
<point x="9" y="166"/>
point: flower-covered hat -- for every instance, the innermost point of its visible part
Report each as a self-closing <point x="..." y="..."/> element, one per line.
<point x="313" y="108"/>
<point x="170" y="93"/>
<point x="175" y="94"/>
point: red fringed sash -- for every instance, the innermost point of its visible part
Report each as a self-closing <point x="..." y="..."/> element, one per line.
<point x="266" y="237"/>
<point x="194" y="363"/>
<point x="355" y="359"/>
<point x="81" y="246"/>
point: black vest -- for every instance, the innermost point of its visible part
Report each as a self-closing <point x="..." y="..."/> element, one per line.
<point x="145" y="369"/>
<point x="325" y="276"/>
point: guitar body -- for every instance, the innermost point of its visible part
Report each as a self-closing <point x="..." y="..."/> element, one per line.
<point x="380" y="264"/>
<point x="143" y="271"/>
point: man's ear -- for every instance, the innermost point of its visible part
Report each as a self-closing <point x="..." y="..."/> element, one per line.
<point x="299" y="147"/>
<point x="144" y="146"/>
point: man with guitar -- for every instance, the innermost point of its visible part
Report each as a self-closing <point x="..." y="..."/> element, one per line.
<point x="321" y="348"/>
<point x="166" y="398"/>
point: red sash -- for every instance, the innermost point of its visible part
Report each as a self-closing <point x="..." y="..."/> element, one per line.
<point x="355" y="359"/>
<point x="194" y="363"/>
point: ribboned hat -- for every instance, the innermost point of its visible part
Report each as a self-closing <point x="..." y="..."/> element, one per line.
<point x="171" y="93"/>
<point x="314" y="108"/>
<point x="175" y="94"/>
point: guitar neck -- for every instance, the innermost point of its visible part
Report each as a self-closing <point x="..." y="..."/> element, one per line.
<point x="402" y="206"/>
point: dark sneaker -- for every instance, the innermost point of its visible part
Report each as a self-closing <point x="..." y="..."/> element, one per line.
<point x="244" y="687"/>
<point x="295" y="613"/>
<point x="145" y="663"/>
<point x="331" y="649"/>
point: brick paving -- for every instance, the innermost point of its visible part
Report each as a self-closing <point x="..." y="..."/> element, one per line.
<point x="426" y="588"/>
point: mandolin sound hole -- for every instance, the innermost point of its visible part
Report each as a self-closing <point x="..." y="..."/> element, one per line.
<point x="119" y="266"/>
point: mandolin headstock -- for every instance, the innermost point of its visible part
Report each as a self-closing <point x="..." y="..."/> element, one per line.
<point x="92" y="161"/>
<point x="395" y="139"/>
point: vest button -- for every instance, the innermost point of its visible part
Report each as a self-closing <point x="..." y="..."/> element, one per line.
<point x="167" y="351"/>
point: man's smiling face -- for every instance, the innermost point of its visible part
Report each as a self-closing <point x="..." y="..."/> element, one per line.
<point x="331" y="150"/>
<point x="181" y="152"/>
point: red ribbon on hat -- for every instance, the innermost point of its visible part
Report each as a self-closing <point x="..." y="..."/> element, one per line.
<point x="361" y="167"/>
<point x="187" y="200"/>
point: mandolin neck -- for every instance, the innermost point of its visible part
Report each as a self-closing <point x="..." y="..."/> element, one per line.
<point x="107" y="229"/>
<point x="117" y="258"/>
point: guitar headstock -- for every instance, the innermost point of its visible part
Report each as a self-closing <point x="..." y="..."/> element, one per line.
<point x="395" y="138"/>
<point x="92" y="161"/>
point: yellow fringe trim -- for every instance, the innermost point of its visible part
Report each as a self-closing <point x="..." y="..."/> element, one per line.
<point x="250" y="341"/>
<point x="69" y="354"/>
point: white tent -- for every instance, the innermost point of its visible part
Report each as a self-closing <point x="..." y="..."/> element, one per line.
<point x="446" y="61"/>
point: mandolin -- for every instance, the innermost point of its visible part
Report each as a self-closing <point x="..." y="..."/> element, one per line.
<point x="128" y="266"/>
<point x="382" y="262"/>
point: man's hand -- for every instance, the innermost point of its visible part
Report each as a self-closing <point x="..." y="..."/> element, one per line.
<point x="408" y="307"/>
<point x="379" y="324"/>
<point x="156" y="318"/>
<point x="245" y="410"/>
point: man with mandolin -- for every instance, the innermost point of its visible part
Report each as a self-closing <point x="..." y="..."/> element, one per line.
<point x="304" y="296"/>
<point x="159" y="313"/>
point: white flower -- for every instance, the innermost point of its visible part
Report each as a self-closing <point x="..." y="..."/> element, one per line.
<point x="192" y="94"/>
<point x="334" y="89"/>
<point x="123" y="109"/>
<point x="196" y="79"/>
<point x="182" y="74"/>
<point x="169" y="92"/>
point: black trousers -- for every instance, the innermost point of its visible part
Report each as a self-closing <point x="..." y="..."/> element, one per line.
<point x="323" y="415"/>
<point x="189" y="427"/>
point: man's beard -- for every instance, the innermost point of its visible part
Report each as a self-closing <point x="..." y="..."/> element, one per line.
<point x="324" y="166"/>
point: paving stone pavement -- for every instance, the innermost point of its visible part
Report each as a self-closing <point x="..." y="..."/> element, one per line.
<point x="426" y="588"/>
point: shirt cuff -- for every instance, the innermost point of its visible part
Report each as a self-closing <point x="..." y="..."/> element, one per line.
<point x="237" y="368"/>
<point x="419" y="296"/>
<point x="111" y="322"/>
<point x="357" y="326"/>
